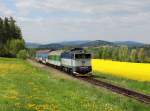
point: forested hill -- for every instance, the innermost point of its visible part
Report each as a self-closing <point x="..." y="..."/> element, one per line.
<point x="52" y="46"/>
<point x="32" y="45"/>
<point x="96" y="43"/>
<point x="129" y="43"/>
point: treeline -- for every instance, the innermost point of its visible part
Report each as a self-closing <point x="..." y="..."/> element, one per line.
<point x="122" y="53"/>
<point x="11" y="41"/>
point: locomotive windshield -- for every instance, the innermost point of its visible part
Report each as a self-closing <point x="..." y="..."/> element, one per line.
<point x="82" y="56"/>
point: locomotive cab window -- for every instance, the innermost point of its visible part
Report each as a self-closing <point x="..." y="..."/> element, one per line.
<point x="82" y="56"/>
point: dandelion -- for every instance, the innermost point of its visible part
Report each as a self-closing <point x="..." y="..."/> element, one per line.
<point x="42" y="107"/>
<point x="35" y="89"/>
<point x="30" y="83"/>
<point x="29" y="97"/>
<point x="108" y="107"/>
<point x="12" y="94"/>
<point x="31" y="105"/>
<point x="53" y="107"/>
<point x="12" y="97"/>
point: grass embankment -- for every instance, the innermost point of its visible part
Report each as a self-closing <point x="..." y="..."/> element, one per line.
<point x="130" y="75"/>
<point x="24" y="87"/>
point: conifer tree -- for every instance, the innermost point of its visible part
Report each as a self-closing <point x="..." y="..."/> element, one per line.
<point x="10" y="37"/>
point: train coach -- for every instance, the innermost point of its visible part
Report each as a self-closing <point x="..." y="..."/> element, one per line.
<point x="42" y="56"/>
<point x="75" y="61"/>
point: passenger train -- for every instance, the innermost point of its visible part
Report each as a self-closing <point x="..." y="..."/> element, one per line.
<point x="75" y="61"/>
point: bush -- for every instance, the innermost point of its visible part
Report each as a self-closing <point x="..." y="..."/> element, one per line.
<point x="14" y="46"/>
<point x="22" y="54"/>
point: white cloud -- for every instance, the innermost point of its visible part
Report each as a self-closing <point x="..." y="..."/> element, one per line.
<point x="82" y="6"/>
<point x="92" y="7"/>
<point x="25" y="19"/>
<point x="5" y="11"/>
<point x="81" y="18"/>
<point x="24" y="7"/>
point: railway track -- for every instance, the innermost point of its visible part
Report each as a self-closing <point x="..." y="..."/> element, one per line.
<point x="120" y="90"/>
<point x="117" y="89"/>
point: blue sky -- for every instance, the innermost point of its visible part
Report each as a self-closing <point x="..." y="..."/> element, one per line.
<point x="45" y="21"/>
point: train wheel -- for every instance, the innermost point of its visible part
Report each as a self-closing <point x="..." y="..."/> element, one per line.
<point x="68" y="70"/>
<point x="71" y="71"/>
<point x="64" y="69"/>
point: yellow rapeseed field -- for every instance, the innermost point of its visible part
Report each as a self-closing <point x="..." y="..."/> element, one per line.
<point x="135" y="71"/>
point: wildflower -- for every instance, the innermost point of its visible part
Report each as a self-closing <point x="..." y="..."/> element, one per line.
<point x="30" y="105"/>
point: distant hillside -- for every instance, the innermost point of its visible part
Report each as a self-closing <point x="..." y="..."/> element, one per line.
<point x="129" y="43"/>
<point x="70" y="43"/>
<point x="51" y="46"/>
<point x="86" y="43"/>
<point x="32" y="45"/>
<point x="96" y="43"/>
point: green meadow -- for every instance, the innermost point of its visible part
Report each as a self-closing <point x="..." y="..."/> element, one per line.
<point x="27" y="87"/>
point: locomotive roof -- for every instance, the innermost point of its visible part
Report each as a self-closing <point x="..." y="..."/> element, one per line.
<point x="77" y="49"/>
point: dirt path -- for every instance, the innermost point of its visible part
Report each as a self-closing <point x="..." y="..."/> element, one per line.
<point x="52" y="71"/>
